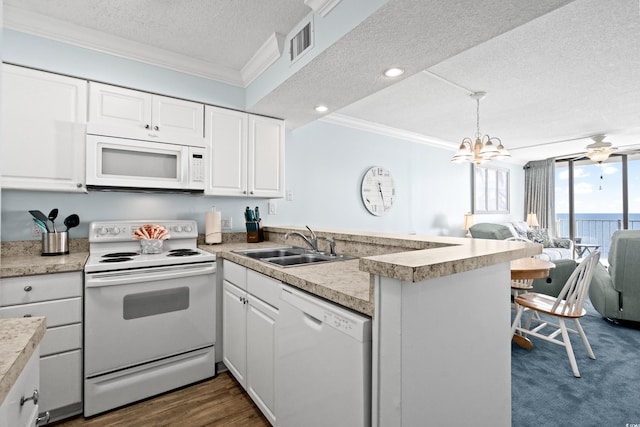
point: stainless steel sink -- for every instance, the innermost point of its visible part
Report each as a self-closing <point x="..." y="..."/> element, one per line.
<point x="270" y="252"/>
<point x="291" y="256"/>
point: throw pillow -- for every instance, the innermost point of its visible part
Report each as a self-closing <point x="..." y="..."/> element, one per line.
<point x="561" y="243"/>
<point x="521" y="228"/>
<point x="540" y="235"/>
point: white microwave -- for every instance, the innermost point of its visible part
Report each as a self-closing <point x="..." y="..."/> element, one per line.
<point x="129" y="164"/>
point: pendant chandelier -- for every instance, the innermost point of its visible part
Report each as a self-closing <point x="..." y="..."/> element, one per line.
<point x="484" y="148"/>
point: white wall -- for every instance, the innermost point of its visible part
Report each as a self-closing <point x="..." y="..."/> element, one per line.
<point x="324" y="165"/>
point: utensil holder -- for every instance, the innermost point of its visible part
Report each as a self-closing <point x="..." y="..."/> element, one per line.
<point x="55" y="243"/>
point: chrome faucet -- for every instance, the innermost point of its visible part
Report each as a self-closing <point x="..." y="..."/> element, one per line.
<point x="311" y="241"/>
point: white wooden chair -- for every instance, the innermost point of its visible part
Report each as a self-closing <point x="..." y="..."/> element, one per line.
<point x="568" y="305"/>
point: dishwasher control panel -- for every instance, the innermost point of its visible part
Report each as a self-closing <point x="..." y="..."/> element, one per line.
<point x="338" y="322"/>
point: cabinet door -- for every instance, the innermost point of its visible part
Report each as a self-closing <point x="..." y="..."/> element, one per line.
<point x="60" y="380"/>
<point x="12" y="413"/>
<point x="234" y="331"/>
<point x="44" y="119"/>
<point x="226" y="139"/>
<point x="261" y="329"/>
<point x="266" y="157"/>
<point x="176" y="120"/>
<point x="116" y="111"/>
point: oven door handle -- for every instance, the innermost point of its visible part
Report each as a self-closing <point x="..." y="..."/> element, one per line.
<point x="129" y="277"/>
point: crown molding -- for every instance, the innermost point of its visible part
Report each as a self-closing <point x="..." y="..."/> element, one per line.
<point x="44" y="26"/>
<point x="352" y="122"/>
<point x="322" y="7"/>
<point x="268" y="53"/>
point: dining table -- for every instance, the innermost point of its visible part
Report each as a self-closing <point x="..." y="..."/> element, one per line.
<point x="523" y="272"/>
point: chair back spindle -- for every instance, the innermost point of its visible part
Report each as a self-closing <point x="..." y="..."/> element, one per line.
<point x="574" y="292"/>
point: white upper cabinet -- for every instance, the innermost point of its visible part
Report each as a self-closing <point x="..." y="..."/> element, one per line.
<point x="266" y="157"/>
<point x="246" y="154"/>
<point x="126" y="113"/>
<point x="43" y="130"/>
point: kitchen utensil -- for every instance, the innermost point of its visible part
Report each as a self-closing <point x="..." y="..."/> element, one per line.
<point x="40" y="216"/>
<point x="72" y="221"/>
<point x="42" y="226"/>
<point x="52" y="217"/>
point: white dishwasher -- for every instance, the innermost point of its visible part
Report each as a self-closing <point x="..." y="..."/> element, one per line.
<point x="323" y="363"/>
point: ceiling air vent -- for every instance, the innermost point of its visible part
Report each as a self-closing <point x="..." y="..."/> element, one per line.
<point x="301" y="42"/>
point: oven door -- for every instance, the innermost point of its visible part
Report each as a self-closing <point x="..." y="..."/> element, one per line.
<point x="137" y="316"/>
<point x="126" y="163"/>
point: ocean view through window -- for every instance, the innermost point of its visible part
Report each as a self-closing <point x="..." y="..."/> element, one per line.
<point x="600" y="202"/>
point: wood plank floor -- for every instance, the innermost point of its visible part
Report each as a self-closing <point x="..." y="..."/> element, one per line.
<point x="220" y="401"/>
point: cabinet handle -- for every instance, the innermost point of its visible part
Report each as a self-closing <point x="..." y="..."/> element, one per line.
<point x="28" y="288"/>
<point x="27" y="315"/>
<point x="250" y="192"/>
<point x="156" y="128"/>
<point x="147" y="126"/>
<point x="35" y="396"/>
<point x="244" y="192"/>
<point x="44" y="417"/>
<point x="79" y="185"/>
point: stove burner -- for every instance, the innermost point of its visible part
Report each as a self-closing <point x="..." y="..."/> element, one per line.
<point x="183" y="252"/>
<point x="120" y="259"/>
<point x="120" y="254"/>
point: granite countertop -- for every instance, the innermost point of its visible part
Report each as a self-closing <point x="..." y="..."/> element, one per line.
<point x="31" y="265"/>
<point x="415" y="258"/>
<point x="18" y="340"/>
<point x="341" y="282"/>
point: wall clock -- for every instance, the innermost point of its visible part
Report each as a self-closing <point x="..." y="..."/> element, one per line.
<point x="378" y="190"/>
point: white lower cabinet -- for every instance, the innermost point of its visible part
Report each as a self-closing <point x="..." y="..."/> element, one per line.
<point x="250" y="312"/>
<point x="58" y="297"/>
<point x="16" y="412"/>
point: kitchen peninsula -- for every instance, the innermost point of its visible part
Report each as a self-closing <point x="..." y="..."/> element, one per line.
<point x="441" y="319"/>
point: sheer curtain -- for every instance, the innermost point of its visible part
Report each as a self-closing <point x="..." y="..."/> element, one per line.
<point x="539" y="192"/>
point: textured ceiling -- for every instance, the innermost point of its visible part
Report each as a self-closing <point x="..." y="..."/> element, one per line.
<point x="556" y="71"/>
<point x="226" y="32"/>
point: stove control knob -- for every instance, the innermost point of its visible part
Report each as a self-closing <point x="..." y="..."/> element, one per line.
<point x="115" y="230"/>
<point x="188" y="229"/>
<point x="103" y="230"/>
<point x="177" y="229"/>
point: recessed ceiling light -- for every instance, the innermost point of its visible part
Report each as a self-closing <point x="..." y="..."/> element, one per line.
<point x="321" y="108"/>
<point x="394" y="72"/>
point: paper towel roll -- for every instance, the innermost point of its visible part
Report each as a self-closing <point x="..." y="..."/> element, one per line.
<point x="212" y="227"/>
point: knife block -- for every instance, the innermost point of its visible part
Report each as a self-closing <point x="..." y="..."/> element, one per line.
<point x="256" y="234"/>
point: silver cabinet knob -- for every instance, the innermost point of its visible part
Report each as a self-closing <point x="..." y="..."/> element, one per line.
<point x="28" y="288"/>
<point x="156" y="128"/>
<point x="35" y="396"/>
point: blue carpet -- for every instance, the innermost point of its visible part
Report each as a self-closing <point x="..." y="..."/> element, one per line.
<point x="545" y="392"/>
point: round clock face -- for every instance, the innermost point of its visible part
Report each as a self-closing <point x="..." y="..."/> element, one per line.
<point x="378" y="190"/>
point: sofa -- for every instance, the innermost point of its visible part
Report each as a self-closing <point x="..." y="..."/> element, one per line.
<point x="552" y="248"/>
<point x="615" y="292"/>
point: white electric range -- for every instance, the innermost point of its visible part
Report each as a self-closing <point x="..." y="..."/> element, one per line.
<point x="149" y="319"/>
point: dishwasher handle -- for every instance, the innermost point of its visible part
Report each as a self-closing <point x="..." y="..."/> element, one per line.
<point x="304" y="304"/>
